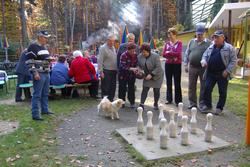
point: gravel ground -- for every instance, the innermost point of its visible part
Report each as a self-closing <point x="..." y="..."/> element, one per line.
<point x="87" y="134"/>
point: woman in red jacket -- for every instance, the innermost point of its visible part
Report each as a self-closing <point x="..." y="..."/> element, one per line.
<point x="83" y="71"/>
<point x="173" y="54"/>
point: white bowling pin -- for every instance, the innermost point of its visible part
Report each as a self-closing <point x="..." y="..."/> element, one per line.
<point x="161" y="114"/>
<point x="172" y="125"/>
<point x="163" y="134"/>
<point x="193" y="121"/>
<point x="180" y="114"/>
<point x="140" y="124"/>
<point x="208" y="128"/>
<point x="150" y="127"/>
<point x="184" y="131"/>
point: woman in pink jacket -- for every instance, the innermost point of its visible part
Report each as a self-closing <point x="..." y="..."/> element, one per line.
<point x="173" y="54"/>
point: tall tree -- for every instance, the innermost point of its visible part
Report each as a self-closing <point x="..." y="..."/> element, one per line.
<point x="23" y="24"/>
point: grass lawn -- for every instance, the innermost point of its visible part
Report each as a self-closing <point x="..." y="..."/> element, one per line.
<point x="35" y="142"/>
<point x="11" y="90"/>
<point x="236" y="97"/>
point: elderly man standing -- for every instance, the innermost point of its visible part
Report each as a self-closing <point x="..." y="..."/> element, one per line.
<point x="107" y="65"/>
<point x="196" y="48"/>
<point x="39" y="60"/>
<point x="219" y="60"/>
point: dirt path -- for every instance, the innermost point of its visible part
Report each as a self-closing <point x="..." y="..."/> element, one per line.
<point x="87" y="134"/>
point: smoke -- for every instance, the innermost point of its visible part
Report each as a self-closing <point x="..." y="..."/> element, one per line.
<point x="128" y="13"/>
<point x="97" y="37"/>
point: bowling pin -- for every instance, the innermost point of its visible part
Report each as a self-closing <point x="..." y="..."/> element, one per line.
<point x="150" y="127"/>
<point x="208" y="128"/>
<point x="140" y="124"/>
<point x="180" y="114"/>
<point x="193" y="121"/>
<point x="163" y="134"/>
<point x="184" y="131"/>
<point x="161" y="114"/>
<point x="172" y="125"/>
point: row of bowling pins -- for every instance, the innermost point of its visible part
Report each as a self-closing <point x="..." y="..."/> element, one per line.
<point x="182" y="121"/>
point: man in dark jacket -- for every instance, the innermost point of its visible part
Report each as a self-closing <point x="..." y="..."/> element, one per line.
<point x="39" y="62"/>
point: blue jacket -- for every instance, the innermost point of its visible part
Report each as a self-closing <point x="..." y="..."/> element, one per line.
<point x="22" y="67"/>
<point x="59" y="74"/>
<point x="228" y="56"/>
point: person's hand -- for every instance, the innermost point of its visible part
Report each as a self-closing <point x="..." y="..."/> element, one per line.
<point x="37" y="76"/>
<point x="102" y="75"/>
<point x="203" y="63"/>
<point x="186" y="68"/>
<point x="148" y="77"/>
<point x="133" y="69"/>
<point x="225" y="74"/>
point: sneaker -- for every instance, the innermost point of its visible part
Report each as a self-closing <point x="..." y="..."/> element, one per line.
<point x="142" y="106"/>
<point x="19" y="100"/>
<point x="48" y="113"/>
<point x="218" y="111"/>
<point x="156" y="108"/>
<point x="205" y="109"/>
<point x="132" y="105"/>
<point x="37" y="119"/>
<point x="191" y="106"/>
<point x="168" y="102"/>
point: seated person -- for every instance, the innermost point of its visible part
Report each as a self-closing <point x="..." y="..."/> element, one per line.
<point x="59" y="75"/>
<point x="23" y="77"/>
<point x="83" y="71"/>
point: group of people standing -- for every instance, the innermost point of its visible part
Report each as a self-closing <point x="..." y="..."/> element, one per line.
<point x="212" y="61"/>
<point x="131" y="63"/>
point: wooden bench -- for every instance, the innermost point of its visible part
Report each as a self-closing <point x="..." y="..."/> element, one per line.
<point x="26" y="85"/>
<point x="73" y="86"/>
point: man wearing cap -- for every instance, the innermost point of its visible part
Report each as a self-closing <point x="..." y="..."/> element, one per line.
<point x="39" y="61"/>
<point x="219" y="60"/>
<point x="195" y="49"/>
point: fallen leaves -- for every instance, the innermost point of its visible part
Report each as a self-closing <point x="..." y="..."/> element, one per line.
<point x="12" y="159"/>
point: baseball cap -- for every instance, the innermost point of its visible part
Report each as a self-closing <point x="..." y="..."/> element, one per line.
<point x="200" y="28"/>
<point x="218" y="33"/>
<point x="44" y="34"/>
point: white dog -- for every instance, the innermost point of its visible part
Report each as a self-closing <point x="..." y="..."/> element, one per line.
<point x="110" y="108"/>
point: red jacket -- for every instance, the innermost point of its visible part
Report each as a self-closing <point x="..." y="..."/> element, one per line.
<point x="82" y="70"/>
<point x="173" y="52"/>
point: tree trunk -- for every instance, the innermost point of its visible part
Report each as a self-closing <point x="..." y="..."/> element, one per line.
<point x="72" y="23"/>
<point x="150" y="19"/>
<point x="158" y="18"/>
<point x="66" y="19"/>
<point x="23" y="25"/>
<point x="87" y="20"/>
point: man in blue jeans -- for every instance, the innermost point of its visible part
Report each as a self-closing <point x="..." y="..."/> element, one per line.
<point x="38" y="61"/>
<point x="219" y="60"/>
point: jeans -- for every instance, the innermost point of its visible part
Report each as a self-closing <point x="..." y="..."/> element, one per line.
<point x="222" y="83"/>
<point x="108" y="84"/>
<point x="144" y="95"/>
<point x="40" y="95"/>
<point x="22" y="79"/>
<point x="173" y="70"/>
<point x="127" y="85"/>
<point x="193" y="74"/>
